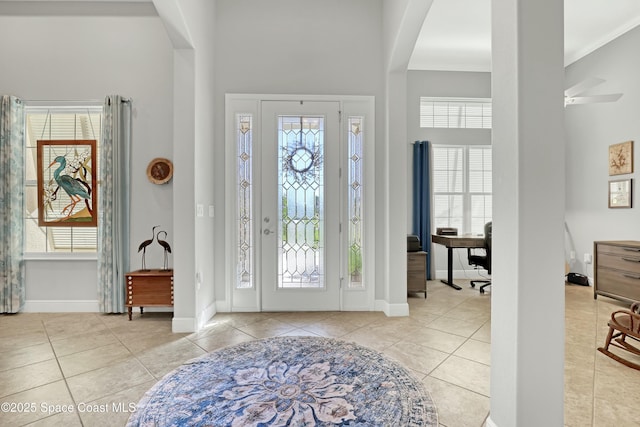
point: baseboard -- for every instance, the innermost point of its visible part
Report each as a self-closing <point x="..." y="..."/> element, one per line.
<point x="61" y="306"/>
<point x="358" y="308"/>
<point x="392" y="310"/>
<point x="206" y="315"/>
<point x="490" y="422"/>
<point x="222" y="306"/>
<point x="183" y="324"/>
<point x="155" y="309"/>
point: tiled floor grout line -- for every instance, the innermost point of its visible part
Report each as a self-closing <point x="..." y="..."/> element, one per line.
<point x="595" y="373"/>
<point x="133" y="355"/>
<point x="450" y="354"/>
<point x="64" y="377"/>
<point x="42" y="329"/>
<point x="33" y="363"/>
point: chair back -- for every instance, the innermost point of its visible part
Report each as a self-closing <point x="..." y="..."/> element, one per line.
<point x="482" y="260"/>
<point x="488" y="231"/>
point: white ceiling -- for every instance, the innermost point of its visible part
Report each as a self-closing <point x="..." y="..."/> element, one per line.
<point x="456" y="35"/>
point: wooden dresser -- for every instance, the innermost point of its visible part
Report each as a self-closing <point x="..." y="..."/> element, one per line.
<point x="417" y="272"/>
<point x="617" y="269"/>
<point x="148" y="288"/>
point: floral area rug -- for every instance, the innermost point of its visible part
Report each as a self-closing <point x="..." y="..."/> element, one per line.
<point x="288" y="381"/>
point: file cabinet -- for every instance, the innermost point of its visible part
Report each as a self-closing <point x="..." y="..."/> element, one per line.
<point x="417" y="272"/>
<point x="617" y="269"/>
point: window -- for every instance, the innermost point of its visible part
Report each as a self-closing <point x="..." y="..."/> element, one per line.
<point x="245" y="212"/>
<point x="462" y="187"/>
<point x="355" y="141"/>
<point x="470" y="113"/>
<point x="56" y="122"/>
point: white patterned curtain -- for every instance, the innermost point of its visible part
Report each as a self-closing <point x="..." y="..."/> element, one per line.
<point x="114" y="204"/>
<point x="12" y="289"/>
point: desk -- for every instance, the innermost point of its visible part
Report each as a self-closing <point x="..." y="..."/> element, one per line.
<point x="451" y="243"/>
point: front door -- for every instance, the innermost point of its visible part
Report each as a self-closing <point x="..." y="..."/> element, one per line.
<point x="300" y="206"/>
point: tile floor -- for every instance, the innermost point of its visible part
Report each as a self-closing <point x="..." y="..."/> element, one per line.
<point x="98" y="365"/>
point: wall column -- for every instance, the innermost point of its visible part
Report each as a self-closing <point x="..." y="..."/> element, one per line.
<point x="527" y="319"/>
<point x="396" y="215"/>
<point x="403" y="21"/>
<point x="184" y="315"/>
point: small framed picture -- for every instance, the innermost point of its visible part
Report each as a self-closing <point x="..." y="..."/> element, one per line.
<point x="620" y="193"/>
<point x="621" y="158"/>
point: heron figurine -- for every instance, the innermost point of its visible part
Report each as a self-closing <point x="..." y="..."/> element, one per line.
<point x="76" y="188"/>
<point x="143" y="246"/>
<point x="166" y="246"/>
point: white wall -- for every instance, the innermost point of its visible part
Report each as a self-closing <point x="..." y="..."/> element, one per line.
<point x="456" y="84"/>
<point x="83" y="57"/>
<point x="56" y="285"/>
<point x="200" y="19"/>
<point x="293" y="47"/>
<point x="590" y="129"/>
<point x="443" y="84"/>
<point x="401" y="26"/>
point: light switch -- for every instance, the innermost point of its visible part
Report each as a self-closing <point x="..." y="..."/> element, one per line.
<point x="199" y="210"/>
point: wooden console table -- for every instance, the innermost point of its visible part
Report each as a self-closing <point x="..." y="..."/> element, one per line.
<point x="148" y="288"/>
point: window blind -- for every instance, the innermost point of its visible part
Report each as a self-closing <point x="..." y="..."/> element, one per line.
<point x="462" y="187"/>
<point x="473" y="113"/>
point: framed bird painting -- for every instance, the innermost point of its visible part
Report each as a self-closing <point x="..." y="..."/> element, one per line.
<point x="67" y="182"/>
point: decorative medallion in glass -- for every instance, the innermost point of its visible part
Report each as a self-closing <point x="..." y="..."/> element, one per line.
<point x="244" y="209"/>
<point x="354" y="202"/>
<point x="301" y="200"/>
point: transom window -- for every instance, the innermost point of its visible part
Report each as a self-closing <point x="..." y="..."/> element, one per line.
<point x="469" y="113"/>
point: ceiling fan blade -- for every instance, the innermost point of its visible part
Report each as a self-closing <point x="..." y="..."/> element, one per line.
<point x="592" y="99"/>
<point x="587" y="83"/>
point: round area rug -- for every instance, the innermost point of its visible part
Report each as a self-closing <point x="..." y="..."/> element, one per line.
<point x="288" y="381"/>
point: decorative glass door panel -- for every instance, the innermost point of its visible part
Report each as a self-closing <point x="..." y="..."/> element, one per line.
<point x="244" y="202"/>
<point x="300" y="206"/>
<point x="301" y="242"/>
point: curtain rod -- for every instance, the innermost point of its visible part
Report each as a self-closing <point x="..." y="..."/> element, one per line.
<point x="67" y="103"/>
<point x="122" y="101"/>
<point x="41" y="102"/>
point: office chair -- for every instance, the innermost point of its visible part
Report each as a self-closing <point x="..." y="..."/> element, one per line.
<point x="482" y="260"/>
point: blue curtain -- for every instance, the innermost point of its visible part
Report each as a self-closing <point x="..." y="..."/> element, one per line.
<point x="12" y="289"/>
<point x="114" y="204"/>
<point x="422" y="197"/>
